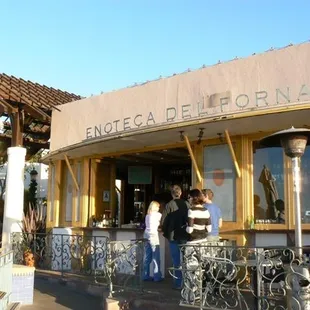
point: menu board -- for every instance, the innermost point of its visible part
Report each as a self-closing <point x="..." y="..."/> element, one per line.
<point x="139" y="175"/>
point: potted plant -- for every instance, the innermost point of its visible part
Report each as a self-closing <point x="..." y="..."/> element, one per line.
<point x="33" y="223"/>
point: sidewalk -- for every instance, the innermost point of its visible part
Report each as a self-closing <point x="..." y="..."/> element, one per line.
<point x="54" y="296"/>
<point x="53" y="292"/>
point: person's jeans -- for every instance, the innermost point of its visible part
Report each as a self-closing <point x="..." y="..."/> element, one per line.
<point x="176" y="261"/>
<point x="151" y="254"/>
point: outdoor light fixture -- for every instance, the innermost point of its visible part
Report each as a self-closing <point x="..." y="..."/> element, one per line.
<point x="294" y="142"/>
<point x="220" y="135"/>
<point x="33" y="175"/>
<point x="181" y="135"/>
<point x="200" y="135"/>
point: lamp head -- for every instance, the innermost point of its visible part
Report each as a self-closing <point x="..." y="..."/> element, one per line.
<point x="293" y="141"/>
<point x="33" y="174"/>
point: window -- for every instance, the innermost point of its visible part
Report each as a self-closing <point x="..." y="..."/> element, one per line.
<point x="52" y="194"/>
<point x="268" y="185"/>
<point x="69" y="194"/>
<point x="219" y="176"/>
<point x="78" y="194"/>
<point x="304" y="186"/>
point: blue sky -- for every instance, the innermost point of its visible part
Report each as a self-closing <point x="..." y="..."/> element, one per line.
<point x="91" y="46"/>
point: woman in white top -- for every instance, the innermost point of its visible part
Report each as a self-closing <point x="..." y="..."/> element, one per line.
<point x="151" y="250"/>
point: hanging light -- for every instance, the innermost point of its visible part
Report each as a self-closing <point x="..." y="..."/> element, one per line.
<point x="200" y="135"/>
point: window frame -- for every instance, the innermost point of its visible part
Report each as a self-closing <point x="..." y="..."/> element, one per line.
<point x="304" y="226"/>
<point x="236" y="141"/>
<point x="287" y="198"/>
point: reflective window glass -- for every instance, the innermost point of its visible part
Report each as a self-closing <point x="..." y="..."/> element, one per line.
<point x="220" y="177"/>
<point x="305" y="186"/>
<point x="268" y="185"/>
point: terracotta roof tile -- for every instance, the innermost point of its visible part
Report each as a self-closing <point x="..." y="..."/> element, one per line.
<point x="34" y="94"/>
<point x="38" y="101"/>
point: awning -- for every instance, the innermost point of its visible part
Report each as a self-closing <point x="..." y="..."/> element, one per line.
<point x="170" y="134"/>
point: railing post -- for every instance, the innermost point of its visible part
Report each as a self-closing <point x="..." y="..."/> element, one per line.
<point x="109" y="268"/>
<point x="95" y="254"/>
<point x="62" y="251"/>
<point x="93" y="260"/>
<point x="200" y="278"/>
<point x="141" y="263"/>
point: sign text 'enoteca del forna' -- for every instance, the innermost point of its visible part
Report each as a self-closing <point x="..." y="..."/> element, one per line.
<point x="216" y="104"/>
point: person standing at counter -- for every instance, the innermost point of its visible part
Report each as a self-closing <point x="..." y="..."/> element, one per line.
<point x="199" y="219"/>
<point x="174" y="222"/>
<point x="216" y="215"/>
<point x="151" y="250"/>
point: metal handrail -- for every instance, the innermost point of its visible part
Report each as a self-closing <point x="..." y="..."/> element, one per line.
<point x="111" y="263"/>
<point x="229" y="277"/>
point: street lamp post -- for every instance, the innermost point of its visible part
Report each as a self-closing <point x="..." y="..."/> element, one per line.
<point x="33" y="175"/>
<point x="33" y="188"/>
<point x="293" y="141"/>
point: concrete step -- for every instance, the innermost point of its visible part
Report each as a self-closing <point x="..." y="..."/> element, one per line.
<point x="14" y="306"/>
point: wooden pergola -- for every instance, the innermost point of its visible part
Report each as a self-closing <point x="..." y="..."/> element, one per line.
<point x="26" y="109"/>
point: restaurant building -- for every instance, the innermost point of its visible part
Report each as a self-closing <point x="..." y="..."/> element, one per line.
<point x="111" y="154"/>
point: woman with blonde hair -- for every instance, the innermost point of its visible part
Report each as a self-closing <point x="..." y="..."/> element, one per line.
<point x="151" y="249"/>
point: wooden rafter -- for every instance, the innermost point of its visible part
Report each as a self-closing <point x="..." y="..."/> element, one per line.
<point x="33" y="143"/>
<point x="28" y="104"/>
<point x="72" y="173"/>
<point x="9" y="108"/>
<point x="232" y="152"/>
<point x="193" y="158"/>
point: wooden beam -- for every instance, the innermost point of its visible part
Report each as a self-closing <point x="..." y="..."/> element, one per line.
<point x="36" y="113"/>
<point x="232" y="152"/>
<point x="9" y="108"/>
<point x="193" y="158"/>
<point x="26" y="142"/>
<point x="113" y="206"/>
<point x="72" y="174"/>
<point x="27" y="130"/>
<point x="198" y="151"/>
<point x="30" y="105"/>
<point x="17" y="129"/>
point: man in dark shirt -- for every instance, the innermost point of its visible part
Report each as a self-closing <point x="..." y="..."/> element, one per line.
<point x="174" y="222"/>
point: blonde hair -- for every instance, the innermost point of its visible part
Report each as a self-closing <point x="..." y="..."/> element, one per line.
<point x="153" y="207"/>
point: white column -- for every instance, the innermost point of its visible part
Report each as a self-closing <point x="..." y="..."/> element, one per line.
<point x="14" y="194"/>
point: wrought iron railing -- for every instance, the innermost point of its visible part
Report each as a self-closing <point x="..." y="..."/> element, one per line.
<point x="6" y="265"/>
<point x="224" y="277"/>
<point x="116" y="264"/>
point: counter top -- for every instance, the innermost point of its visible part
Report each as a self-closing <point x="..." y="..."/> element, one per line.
<point x="110" y="228"/>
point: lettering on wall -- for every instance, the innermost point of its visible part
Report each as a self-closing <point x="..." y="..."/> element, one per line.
<point x="217" y="104"/>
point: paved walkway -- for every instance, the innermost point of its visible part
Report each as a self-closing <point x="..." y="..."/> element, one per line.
<point x="50" y="296"/>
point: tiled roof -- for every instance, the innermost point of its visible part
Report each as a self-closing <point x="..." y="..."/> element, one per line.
<point x="35" y="95"/>
<point x="37" y="101"/>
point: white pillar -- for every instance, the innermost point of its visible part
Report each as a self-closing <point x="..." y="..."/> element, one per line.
<point x="14" y="194"/>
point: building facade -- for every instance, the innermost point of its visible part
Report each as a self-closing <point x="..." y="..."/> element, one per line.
<point x="111" y="154"/>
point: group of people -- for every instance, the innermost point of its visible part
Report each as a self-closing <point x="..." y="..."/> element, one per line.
<point x="194" y="220"/>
